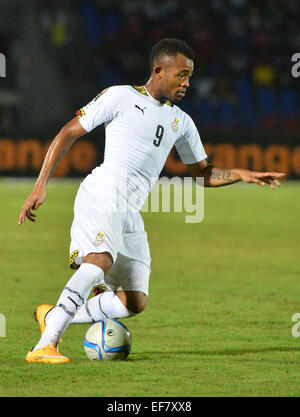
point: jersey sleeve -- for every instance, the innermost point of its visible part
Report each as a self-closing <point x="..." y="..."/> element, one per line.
<point x="103" y="108"/>
<point x="189" y="146"/>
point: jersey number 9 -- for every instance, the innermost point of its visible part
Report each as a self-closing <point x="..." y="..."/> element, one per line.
<point x="159" y="134"/>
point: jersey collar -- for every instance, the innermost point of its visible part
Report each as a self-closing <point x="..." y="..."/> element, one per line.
<point x="143" y="90"/>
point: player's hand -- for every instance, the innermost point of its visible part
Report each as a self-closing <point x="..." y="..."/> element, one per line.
<point x="261" y="178"/>
<point x="33" y="202"/>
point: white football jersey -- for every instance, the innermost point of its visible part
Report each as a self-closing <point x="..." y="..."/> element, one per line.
<point x="140" y="133"/>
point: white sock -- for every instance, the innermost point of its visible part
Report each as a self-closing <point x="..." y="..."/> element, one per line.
<point x="71" y="299"/>
<point x="106" y="305"/>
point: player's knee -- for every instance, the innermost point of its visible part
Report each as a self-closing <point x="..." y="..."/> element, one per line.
<point x="137" y="307"/>
<point x="135" y="301"/>
<point x="103" y="260"/>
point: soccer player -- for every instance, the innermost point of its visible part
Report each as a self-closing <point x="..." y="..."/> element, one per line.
<point x="108" y="242"/>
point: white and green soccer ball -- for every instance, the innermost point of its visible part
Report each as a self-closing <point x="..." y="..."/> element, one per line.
<point x="107" y="340"/>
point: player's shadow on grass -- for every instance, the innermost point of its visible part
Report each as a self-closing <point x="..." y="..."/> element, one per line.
<point x="221" y="352"/>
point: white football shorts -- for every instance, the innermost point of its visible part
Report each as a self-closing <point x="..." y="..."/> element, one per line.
<point x="98" y="227"/>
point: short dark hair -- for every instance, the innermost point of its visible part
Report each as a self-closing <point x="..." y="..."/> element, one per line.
<point x="170" y="47"/>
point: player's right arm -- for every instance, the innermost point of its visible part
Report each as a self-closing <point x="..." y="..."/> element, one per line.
<point x="103" y="108"/>
<point x="60" y="145"/>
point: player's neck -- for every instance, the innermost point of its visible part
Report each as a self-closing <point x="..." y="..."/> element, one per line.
<point x="154" y="91"/>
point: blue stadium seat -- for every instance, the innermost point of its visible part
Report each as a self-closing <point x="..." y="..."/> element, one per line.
<point x="226" y="114"/>
<point x="288" y="102"/>
<point x="266" y="100"/>
<point x="246" y="112"/>
<point x="242" y="88"/>
<point x="205" y="113"/>
<point x="91" y="21"/>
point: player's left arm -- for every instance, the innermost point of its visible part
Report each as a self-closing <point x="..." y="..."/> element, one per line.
<point x="219" y="177"/>
<point x="60" y="145"/>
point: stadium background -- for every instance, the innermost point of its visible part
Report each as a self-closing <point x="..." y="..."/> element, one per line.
<point x="243" y="96"/>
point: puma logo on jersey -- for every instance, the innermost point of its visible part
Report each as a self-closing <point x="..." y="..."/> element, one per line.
<point x="138" y="107"/>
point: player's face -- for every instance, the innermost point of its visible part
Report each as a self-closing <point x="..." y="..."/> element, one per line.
<point x="175" y="77"/>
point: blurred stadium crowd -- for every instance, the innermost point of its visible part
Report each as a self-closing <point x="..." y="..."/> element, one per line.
<point x="243" y="70"/>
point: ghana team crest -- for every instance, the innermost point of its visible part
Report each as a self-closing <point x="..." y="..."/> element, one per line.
<point x="99" y="239"/>
<point x="175" y="124"/>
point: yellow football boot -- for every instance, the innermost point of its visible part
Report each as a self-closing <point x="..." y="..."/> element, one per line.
<point x="47" y="354"/>
<point x="40" y="314"/>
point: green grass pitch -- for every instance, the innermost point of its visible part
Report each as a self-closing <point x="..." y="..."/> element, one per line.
<point x="222" y="296"/>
